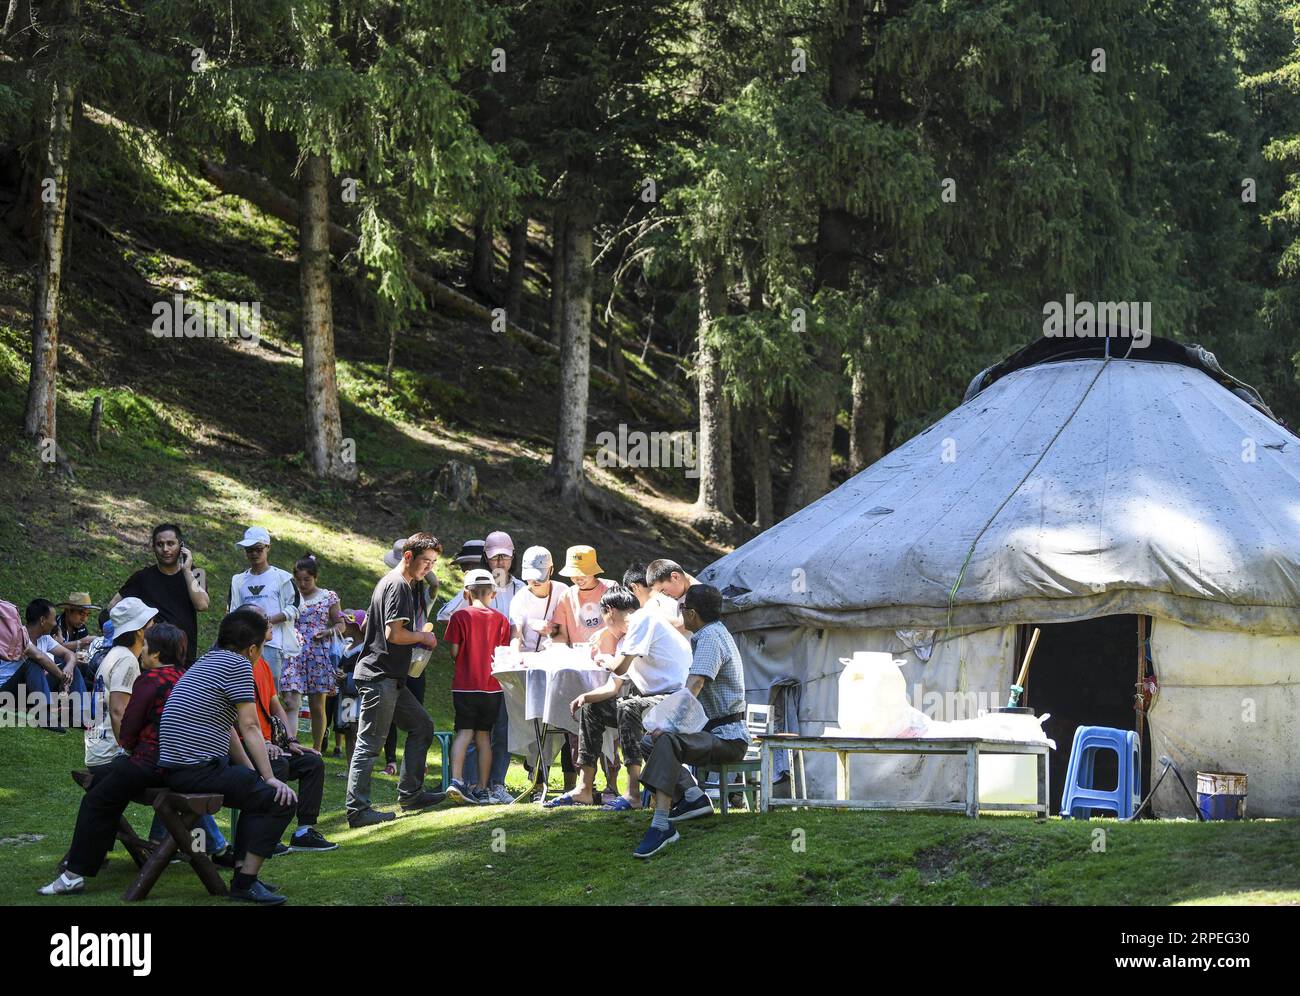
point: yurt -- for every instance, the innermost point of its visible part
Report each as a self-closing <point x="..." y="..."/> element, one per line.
<point x="1138" y="505"/>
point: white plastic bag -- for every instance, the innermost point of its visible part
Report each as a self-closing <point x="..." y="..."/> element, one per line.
<point x="680" y="712"/>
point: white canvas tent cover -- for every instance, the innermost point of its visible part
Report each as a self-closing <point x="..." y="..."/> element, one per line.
<point x="1063" y="490"/>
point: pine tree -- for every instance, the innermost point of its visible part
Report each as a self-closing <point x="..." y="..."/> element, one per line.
<point x="40" y="422"/>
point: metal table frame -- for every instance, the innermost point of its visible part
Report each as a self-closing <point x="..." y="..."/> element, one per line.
<point x="842" y="747"/>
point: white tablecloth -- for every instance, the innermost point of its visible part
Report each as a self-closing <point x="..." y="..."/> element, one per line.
<point x="543" y="692"/>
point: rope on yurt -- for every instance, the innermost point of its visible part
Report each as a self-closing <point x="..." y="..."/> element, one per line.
<point x="952" y="594"/>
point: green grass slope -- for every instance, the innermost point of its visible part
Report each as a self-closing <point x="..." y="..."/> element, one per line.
<point x="525" y="855"/>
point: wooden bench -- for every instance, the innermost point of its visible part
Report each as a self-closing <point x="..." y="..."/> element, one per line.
<point x="844" y="747"/>
<point x="178" y="813"/>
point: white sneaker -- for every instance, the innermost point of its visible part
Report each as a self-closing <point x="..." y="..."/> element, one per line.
<point x="61" y="886"/>
<point x="499" y="796"/>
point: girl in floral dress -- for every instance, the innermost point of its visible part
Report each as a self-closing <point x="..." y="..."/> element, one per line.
<point x="311" y="672"/>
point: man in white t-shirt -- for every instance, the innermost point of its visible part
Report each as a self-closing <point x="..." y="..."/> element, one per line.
<point x="652" y="660"/>
<point x="634" y="580"/>
<point x="668" y="580"/>
<point x="272" y="590"/>
<point x="532" y="610"/>
<point x="114" y="679"/>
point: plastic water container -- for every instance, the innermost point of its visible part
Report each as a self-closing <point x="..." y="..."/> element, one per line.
<point x="1221" y="795"/>
<point x="873" y="695"/>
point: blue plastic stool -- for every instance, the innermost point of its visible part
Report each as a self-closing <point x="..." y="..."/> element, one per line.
<point x="1080" y="795"/>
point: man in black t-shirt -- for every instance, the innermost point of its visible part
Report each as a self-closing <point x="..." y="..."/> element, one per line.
<point x="170" y="586"/>
<point x="380" y="677"/>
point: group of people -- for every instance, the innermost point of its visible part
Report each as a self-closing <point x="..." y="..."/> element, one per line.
<point x="226" y="722"/>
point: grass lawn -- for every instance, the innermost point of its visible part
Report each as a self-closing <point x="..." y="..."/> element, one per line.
<point x="522" y="855"/>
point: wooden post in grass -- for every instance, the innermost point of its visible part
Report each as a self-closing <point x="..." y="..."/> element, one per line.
<point x="96" y="417"/>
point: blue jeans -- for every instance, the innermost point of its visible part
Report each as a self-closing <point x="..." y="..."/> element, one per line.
<point x="215" y="843"/>
<point x="500" y="752"/>
<point x="274" y="660"/>
<point x="29" y="675"/>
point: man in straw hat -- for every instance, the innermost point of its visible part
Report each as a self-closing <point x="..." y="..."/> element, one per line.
<point x="70" y="625"/>
<point x="70" y="629"/>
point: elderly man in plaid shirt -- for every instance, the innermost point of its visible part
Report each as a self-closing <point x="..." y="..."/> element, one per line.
<point x="717" y="679"/>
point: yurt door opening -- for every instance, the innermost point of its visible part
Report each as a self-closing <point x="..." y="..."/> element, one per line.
<point x="1085" y="674"/>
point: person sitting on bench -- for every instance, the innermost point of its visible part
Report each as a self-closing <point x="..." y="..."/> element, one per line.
<point x="290" y="761"/>
<point x="129" y="773"/>
<point x="717" y="679"/>
<point x="215" y="694"/>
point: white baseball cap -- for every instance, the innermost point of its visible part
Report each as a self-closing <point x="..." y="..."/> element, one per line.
<point x="498" y="543"/>
<point x="537" y="564"/>
<point x="478" y="576"/>
<point x="254" y="535"/>
<point x="130" y="615"/>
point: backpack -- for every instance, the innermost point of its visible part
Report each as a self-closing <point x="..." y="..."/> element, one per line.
<point x="98" y="651"/>
<point x="13" y="635"/>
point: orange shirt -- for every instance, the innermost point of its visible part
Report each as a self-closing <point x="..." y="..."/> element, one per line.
<point x="264" y="685"/>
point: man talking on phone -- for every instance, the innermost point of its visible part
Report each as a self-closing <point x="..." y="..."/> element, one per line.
<point x="171" y="585"/>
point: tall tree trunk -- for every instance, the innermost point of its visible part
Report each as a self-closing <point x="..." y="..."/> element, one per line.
<point x="567" y="478"/>
<point x="392" y="354"/>
<point x="42" y="385"/>
<point x="559" y="233"/>
<point x="26" y="212"/>
<point x="614" y="361"/>
<point x="716" y="497"/>
<point x="515" y="272"/>
<point x="324" y="426"/>
<point x="18" y="14"/>
<point x="760" y="451"/>
<point x="480" y="270"/>
<point x="867" y="429"/>
<point x="815" y="431"/>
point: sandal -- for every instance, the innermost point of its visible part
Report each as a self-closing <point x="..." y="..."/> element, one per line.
<point x="619" y="805"/>
<point x="567" y="799"/>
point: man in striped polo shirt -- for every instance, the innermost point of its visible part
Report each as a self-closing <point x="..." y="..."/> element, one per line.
<point x="212" y="700"/>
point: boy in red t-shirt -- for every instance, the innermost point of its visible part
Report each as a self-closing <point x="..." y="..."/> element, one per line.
<point x="474" y="633"/>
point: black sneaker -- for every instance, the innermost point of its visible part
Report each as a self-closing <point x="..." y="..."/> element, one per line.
<point x="690" y="810"/>
<point x="257" y="893"/>
<point x="310" y="840"/>
<point x="369" y="818"/>
<point x="226" y="859"/>
<point x="280" y="849"/>
<point x="424" y="800"/>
